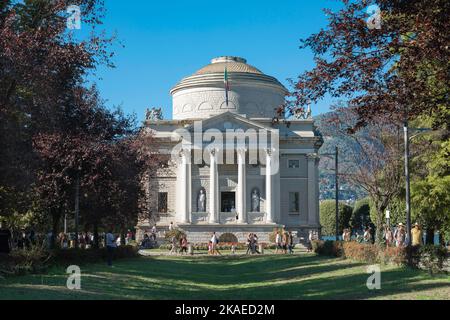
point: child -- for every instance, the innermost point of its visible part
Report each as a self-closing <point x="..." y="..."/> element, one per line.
<point x="210" y="248"/>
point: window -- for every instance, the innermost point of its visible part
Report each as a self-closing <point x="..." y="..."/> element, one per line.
<point x="162" y="202"/>
<point x="294" y="199"/>
<point x="228" y="201"/>
<point x="294" y="163"/>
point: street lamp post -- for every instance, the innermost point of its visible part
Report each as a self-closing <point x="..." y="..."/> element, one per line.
<point x="407" y="139"/>
<point x="336" y="182"/>
<point x="77" y="207"/>
<point x="337" y="191"/>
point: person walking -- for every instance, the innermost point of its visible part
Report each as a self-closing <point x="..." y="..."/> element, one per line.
<point x="367" y="236"/>
<point x="255" y="244"/>
<point x="290" y="242"/>
<point x="184" y="244"/>
<point x="400" y="235"/>
<point x="278" y="241"/>
<point x="389" y="237"/>
<point x="249" y="243"/>
<point x="111" y="246"/>
<point x="214" y="243"/>
<point x="173" y="249"/>
<point x="310" y="240"/>
<point x="284" y="241"/>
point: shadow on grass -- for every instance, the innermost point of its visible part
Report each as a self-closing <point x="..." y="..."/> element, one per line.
<point x="256" y="277"/>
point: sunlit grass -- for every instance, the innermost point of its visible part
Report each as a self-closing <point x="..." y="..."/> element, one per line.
<point x="228" y="277"/>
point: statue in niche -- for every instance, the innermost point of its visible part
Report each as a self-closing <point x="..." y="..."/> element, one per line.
<point x="255" y="200"/>
<point x="201" y="201"/>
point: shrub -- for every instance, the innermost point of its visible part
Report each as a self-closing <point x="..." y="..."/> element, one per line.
<point x="37" y="259"/>
<point x="327" y="248"/>
<point x="360" y="252"/>
<point x="19" y="261"/>
<point x="82" y="256"/>
<point x="361" y="214"/>
<point x="328" y="217"/>
<point x="177" y="233"/>
<point x="431" y="258"/>
<point x="393" y="255"/>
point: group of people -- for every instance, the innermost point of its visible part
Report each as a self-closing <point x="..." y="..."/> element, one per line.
<point x="252" y="244"/>
<point x="181" y="243"/>
<point x="85" y="240"/>
<point x="399" y="237"/>
<point x="284" y="241"/>
<point x="149" y="240"/>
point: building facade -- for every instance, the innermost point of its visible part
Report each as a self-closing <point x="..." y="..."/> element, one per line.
<point x="233" y="165"/>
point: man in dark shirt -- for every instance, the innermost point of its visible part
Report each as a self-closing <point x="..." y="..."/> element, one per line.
<point x="5" y="240"/>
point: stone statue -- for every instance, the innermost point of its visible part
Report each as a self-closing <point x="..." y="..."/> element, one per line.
<point x="302" y="113"/>
<point x="255" y="200"/>
<point x="201" y="201"/>
<point x="153" y="114"/>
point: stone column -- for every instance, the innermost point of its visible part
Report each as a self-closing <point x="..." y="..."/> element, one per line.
<point x="213" y="187"/>
<point x="242" y="188"/>
<point x="269" y="182"/>
<point x="184" y="194"/>
<point x="313" y="192"/>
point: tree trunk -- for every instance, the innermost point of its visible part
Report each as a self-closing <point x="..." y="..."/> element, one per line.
<point x="55" y="226"/>
<point x="379" y="226"/>
<point x="441" y="239"/>
<point x="429" y="239"/>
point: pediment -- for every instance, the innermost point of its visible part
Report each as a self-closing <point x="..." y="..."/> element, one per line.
<point x="229" y="121"/>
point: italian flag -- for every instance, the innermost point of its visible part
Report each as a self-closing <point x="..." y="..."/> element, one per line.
<point x="226" y="83"/>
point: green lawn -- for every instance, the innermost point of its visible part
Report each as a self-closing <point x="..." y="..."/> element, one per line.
<point x="228" y="277"/>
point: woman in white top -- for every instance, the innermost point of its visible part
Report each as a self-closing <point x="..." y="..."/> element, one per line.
<point x="213" y="243"/>
<point x="278" y="242"/>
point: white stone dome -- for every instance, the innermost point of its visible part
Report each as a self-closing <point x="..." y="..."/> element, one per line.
<point x="252" y="93"/>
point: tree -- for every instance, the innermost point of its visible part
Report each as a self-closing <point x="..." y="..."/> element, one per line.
<point x="372" y="161"/>
<point x="395" y="71"/>
<point x="328" y="217"/>
<point x="41" y="76"/>
<point x="431" y="188"/>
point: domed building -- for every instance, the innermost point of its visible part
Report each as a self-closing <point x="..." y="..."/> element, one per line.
<point x="231" y="164"/>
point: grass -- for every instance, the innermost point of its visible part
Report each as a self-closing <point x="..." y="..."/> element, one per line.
<point x="229" y="277"/>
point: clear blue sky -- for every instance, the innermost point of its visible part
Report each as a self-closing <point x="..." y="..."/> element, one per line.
<point x="168" y="40"/>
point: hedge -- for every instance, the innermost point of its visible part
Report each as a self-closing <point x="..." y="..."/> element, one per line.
<point x="361" y="214"/>
<point x="328" y="217"/>
<point x="429" y="257"/>
<point x="37" y="259"/>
